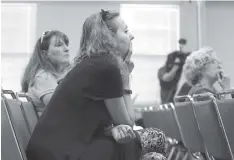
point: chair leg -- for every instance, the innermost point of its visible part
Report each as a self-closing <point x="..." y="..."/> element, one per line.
<point x="178" y="155"/>
<point x="185" y="156"/>
<point x="171" y="153"/>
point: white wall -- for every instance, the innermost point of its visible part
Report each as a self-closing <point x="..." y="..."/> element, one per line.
<point x="217" y="24"/>
<point x="220" y="32"/>
<point x="188" y="24"/>
<point x="69" y="17"/>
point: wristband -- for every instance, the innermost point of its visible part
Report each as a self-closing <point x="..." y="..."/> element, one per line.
<point x="127" y="91"/>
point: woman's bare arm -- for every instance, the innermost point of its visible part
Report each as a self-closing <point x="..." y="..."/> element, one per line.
<point x="118" y="111"/>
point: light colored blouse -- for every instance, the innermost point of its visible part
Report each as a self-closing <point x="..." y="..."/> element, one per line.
<point x="44" y="83"/>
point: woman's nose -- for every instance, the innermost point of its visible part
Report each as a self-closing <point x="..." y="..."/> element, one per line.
<point x="66" y="48"/>
<point x="131" y="36"/>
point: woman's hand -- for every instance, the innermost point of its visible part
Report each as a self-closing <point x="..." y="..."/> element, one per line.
<point x="123" y="133"/>
<point x="224" y="81"/>
<point x="127" y="73"/>
<point x="128" y="55"/>
<point x="127" y="60"/>
<point x="130" y="66"/>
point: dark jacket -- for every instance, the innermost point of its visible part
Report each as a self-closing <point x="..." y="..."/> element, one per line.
<point x="168" y="89"/>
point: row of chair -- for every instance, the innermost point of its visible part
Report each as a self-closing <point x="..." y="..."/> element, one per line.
<point x="19" y="118"/>
<point x="205" y="126"/>
<point x="197" y="124"/>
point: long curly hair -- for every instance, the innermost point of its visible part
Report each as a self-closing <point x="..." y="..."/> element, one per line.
<point x="98" y="37"/>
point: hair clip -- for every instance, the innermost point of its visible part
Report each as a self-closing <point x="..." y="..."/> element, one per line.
<point x="44" y="34"/>
<point x="104" y="14"/>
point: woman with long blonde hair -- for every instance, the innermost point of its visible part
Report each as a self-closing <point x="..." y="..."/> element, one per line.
<point x="90" y="115"/>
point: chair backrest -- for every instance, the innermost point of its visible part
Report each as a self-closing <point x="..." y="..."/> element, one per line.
<point x="17" y="117"/>
<point x="164" y="120"/>
<point x="191" y="134"/>
<point x="29" y="110"/>
<point x="210" y="127"/>
<point x="226" y="109"/>
<point x="11" y="147"/>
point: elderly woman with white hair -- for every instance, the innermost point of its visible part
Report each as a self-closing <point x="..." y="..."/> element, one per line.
<point x="203" y="70"/>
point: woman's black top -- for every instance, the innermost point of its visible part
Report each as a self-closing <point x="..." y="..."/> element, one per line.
<point x="71" y="127"/>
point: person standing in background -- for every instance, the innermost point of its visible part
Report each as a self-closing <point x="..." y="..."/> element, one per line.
<point x="169" y="74"/>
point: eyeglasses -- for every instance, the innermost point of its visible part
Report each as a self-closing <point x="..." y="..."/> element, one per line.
<point x="44" y="34"/>
<point x="216" y="62"/>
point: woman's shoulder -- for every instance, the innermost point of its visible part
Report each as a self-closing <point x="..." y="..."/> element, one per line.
<point x="42" y="77"/>
<point x="106" y="59"/>
<point x="199" y="90"/>
<point x="98" y="63"/>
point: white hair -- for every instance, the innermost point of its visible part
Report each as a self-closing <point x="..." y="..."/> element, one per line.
<point x="196" y="63"/>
